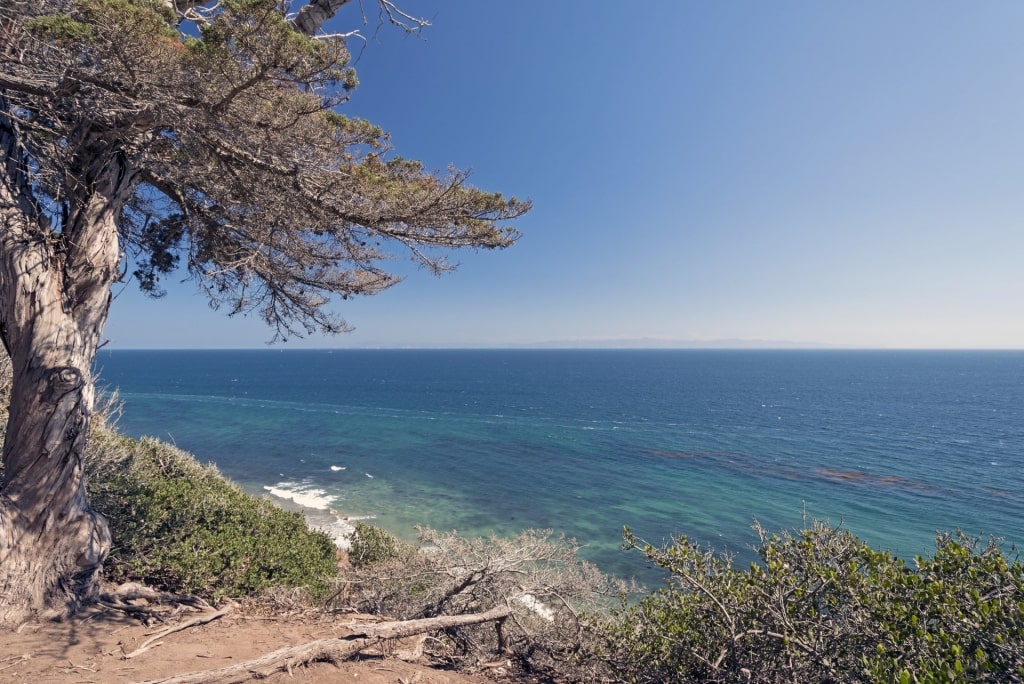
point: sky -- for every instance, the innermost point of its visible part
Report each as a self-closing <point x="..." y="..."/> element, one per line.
<point x="789" y="173"/>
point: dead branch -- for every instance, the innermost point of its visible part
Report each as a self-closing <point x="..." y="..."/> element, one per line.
<point x="201" y="620"/>
<point x="330" y="650"/>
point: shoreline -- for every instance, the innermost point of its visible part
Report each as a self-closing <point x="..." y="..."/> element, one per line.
<point x="337" y="526"/>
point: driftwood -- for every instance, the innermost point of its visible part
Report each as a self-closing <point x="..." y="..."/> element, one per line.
<point x="330" y="650"/>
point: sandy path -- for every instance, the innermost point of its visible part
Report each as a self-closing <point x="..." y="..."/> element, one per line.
<point x="90" y="648"/>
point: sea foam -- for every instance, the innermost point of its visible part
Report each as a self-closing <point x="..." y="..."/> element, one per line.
<point x="319" y="510"/>
<point x="303" y="493"/>
<point x="339" y="528"/>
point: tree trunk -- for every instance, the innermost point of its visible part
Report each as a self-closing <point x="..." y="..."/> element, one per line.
<point x="54" y="298"/>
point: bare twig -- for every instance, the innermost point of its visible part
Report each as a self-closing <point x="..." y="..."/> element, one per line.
<point x="15" y="660"/>
<point x="201" y="620"/>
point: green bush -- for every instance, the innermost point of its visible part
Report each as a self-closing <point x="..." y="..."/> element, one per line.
<point x="371" y="545"/>
<point x="823" y="606"/>
<point x="180" y="526"/>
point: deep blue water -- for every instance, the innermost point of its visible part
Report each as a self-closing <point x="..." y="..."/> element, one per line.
<point x="893" y="445"/>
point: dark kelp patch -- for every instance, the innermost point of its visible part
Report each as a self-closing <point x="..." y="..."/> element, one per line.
<point x="871" y="479"/>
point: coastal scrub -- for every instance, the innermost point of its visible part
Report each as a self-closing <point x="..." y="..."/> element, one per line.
<point x="822" y="605"/>
<point x="181" y="526"/>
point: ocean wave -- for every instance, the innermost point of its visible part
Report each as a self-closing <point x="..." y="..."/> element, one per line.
<point x="304" y="494"/>
<point x="339" y="528"/>
<point x="320" y="514"/>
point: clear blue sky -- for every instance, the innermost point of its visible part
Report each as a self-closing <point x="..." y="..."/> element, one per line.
<point x="842" y="173"/>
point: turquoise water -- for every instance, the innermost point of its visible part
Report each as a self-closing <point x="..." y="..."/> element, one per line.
<point x="893" y="445"/>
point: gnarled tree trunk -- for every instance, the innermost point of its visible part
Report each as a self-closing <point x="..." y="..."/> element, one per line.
<point x="54" y="298"/>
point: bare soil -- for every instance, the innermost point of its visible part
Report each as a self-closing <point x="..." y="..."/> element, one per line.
<point x="92" y="647"/>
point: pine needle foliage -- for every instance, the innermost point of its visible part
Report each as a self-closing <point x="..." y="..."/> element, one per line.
<point x="238" y="165"/>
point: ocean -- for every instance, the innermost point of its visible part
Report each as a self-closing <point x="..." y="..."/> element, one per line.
<point x="892" y="445"/>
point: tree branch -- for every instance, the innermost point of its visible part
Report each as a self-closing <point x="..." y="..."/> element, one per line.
<point x="27" y="86"/>
<point x="154" y="640"/>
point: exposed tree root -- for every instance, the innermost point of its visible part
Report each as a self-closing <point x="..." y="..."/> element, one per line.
<point x="329" y="650"/>
<point x="150" y="605"/>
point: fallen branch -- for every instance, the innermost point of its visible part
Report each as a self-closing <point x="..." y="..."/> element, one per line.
<point x="14" y="660"/>
<point x="201" y="620"/>
<point x="329" y="650"/>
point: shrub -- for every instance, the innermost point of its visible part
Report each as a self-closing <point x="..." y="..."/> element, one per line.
<point x="823" y="606"/>
<point x="371" y="545"/>
<point x="540" y="577"/>
<point x="180" y="526"/>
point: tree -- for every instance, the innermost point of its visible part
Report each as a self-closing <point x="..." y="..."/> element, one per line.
<point x="153" y="135"/>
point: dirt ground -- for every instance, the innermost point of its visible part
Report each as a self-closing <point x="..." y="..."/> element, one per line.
<point x="92" y="648"/>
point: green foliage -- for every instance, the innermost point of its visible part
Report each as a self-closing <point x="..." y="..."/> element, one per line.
<point x="371" y="545"/>
<point x="245" y="171"/>
<point x="59" y="28"/>
<point x="253" y="37"/>
<point x="146" y="17"/>
<point x="823" y="606"/>
<point x="181" y="526"/>
<point x="355" y="131"/>
<point x="960" y="618"/>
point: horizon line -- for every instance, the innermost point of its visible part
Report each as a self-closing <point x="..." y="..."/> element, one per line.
<point x="533" y="347"/>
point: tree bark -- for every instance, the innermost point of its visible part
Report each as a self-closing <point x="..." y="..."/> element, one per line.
<point x="309" y="19"/>
<point x="54" y="298"/>
<point x="313" y="15"/>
